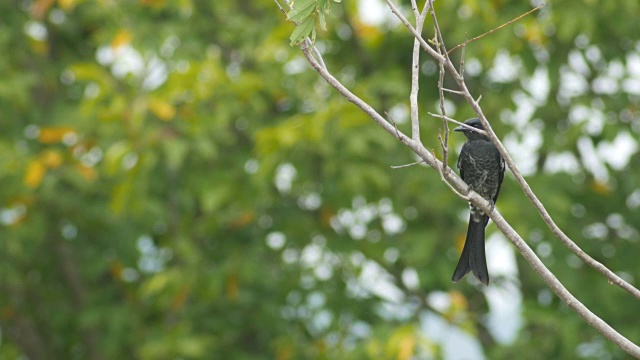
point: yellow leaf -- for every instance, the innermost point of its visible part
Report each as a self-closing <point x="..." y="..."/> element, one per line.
<point x="600" y="187"/>
<point x="67" y="5"/>
<point x="116" y="269"/>
<point x="35" y="173"/>
<point x="180" y="299"/>
<point x="244" y="219"/>
<point x="123" y="37"/>
<point x="458" y="300"/>
<point x="402" y="342"/>
<point x="39" y="47"/>
<point x="121" y="195"/>
<point x="52" y="135"/>
<point x="232" y="287"/>
<point x="51" y="159"/>
<point x="407" y="343"/>
<point x="162" y="109"/>
<point x="158" y="4"/>
<point x="40" y="8"/>
<point x="156" y="284"/>
<point x="87" y="172"/>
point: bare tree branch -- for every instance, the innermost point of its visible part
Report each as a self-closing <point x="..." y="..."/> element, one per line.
<point x="611" y="276"/>
<point x="538" y="266"/>
<point x="423" y="43"/>
<point x="481" y="132"/>
<point x="496" y="29"/>
<point x="461" y="189"/>
<point x="415" y="71"/>
<point x="452" y="91"/>
<point x="354" y="99"/>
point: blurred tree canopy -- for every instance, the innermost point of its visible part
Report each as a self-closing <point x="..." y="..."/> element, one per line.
<point x="177" y="183"/>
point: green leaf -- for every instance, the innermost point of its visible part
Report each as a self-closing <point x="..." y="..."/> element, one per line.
<point x="322" y="19"/>
<point x="301" y="10"/>
<point x="303" y="30"/>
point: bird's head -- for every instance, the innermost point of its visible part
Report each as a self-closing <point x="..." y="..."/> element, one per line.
<point x="469" y="133"/>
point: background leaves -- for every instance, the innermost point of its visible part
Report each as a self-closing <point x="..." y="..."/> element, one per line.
<point x="178" y="183"/>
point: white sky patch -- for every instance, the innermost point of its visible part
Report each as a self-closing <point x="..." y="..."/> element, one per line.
<point x="591" y="160"/>
<point x="605" y="85"/>
<point x="472" y="67"/>
<point x="633" y="64"/>
<point x="538" y="85"/>
<point x="592" y="118"/>
<point x="399" y="113"/>
<point x="375" y="12"/>
<point x="572" y="84"/>
<point x="618" y="152"/>
<point x="563" y="161"/>
<point x="631" y="86"/>
<point x="156" y="73"/>
<point x="631" y="83"/>
<point x="593" y="54"/>
<point x="456" y="344"/>
<point x="36" y="30"/>
<point x="276" y="240"/>
<point x="296" y="66"/>
<point x="410" y="278"/>
<point x="524" y="151"/>
<point x="126" y="60"/>
<point x="505" y="68"/>
<point x="578" y="63"/>
<point x="524" y="111"/>
<point x="615" y="69"/>
<point x="285" y="174"/>
<point x="375" y="279"/>
<point x="504" y="320"/>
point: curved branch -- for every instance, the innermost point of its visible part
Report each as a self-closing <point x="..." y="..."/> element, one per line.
<point x="456" y="182"/>
<point x="611" y="276"/>
<point x="551" y="280"/>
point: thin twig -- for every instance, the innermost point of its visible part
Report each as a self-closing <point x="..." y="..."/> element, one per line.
<point x="444" y="144"/>
<point x="441" y="170"/>
<point x="394" y="124"/>
<point x="453" y="91"/>
<point x="538" y="266"/>
<point x="280" y="7"/>
<point x="415" y="33"/>
<point x="442" y="50"/>
<point x="438" y="34"/>
<point x="406" y="165"/>
<point x="498" y="28"/>
<point x="415" y="72"/>
<point x="388" y="127"/>
<point x="464" y="47"/>
<point x="481" y="132"/>
<point x="416" y="13"/>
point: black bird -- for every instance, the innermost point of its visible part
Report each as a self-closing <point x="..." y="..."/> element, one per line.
<point x="482" y="168"/>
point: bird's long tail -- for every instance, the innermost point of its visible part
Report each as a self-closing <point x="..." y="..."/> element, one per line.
<point x="473" y="256"/>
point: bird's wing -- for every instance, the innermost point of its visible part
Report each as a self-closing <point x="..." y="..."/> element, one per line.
<point x="495" y="198"/>
<point x="459" y="163"/>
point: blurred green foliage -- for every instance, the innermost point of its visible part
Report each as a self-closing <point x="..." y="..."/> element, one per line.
<point x="177" y="183"/>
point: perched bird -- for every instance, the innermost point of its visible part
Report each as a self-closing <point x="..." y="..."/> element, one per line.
<point x="482" y="168"/>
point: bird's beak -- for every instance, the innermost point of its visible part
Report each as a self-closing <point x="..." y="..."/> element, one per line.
<point x="460" y="128"/>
